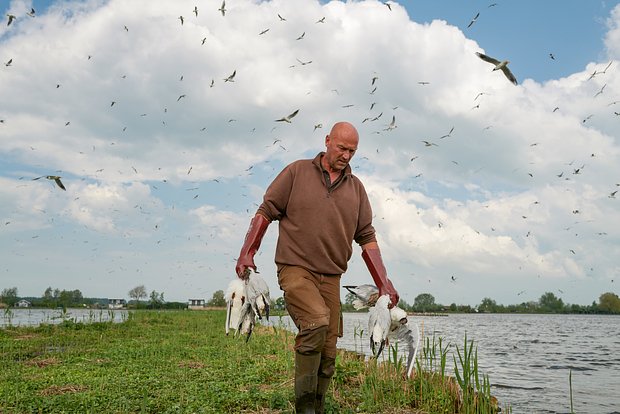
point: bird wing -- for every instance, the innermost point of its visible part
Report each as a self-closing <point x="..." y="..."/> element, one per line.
<point x="257" y="292"/>
<point x="366" y="295"/>
<point x="404" y="334"/>
<point x="293" y="114"/>
<point x="228" y="311"/>
<point x="509" y="75"/>
<point x="59" y="183"/>
<point x="246" y="321"/>
<point x="487" y="58"/>
<point x="473" y="20"/>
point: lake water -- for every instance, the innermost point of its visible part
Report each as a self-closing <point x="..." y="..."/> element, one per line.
<point x="35" y="317"/>
<point x="528" y="358"/>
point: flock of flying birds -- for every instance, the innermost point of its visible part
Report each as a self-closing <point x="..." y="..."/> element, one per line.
<point x="497" y="65"/>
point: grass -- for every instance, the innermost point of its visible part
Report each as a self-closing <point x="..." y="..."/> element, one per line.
<point x="181" y="362"/>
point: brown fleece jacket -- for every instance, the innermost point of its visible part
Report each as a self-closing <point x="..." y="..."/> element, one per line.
<point x="317" y="225"/>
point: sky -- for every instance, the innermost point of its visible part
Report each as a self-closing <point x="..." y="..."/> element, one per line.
<point x="479" y="188"/>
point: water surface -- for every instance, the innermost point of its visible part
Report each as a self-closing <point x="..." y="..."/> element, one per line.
<point x="528" y="357"/>
<point x="35" y="317"/>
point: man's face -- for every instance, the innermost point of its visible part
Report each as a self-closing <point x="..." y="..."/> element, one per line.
<point x="341" y="146"/>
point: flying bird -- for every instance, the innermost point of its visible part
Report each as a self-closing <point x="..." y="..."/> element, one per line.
<point x="181" y="19"/>
<point x="392" y="124"/>
<point x="11" y="18"/>
<point x="31" y="12"/>
<point x="288" y="117"/>
<point x="222" y="9"/>
<point x="196" y="10"/>
<point x="10" y="61"/>
<point x="55" y="178"/>
<point x="449" y="134"/>
<point x="503" y="66"/>
<point x="601" y="91"/>
<point x="473" y="20"/>
<point x="231" y="77"/>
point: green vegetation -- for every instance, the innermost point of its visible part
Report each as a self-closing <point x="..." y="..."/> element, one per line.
<point x="181" y="361"/>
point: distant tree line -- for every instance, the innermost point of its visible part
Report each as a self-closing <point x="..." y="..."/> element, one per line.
<point x="608" y="303"/>
<point x="51" y="298"/>
<point x="155" y="300"/>
<point x="56" y="298"/>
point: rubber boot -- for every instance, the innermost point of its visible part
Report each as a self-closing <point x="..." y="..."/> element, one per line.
<point x="306" y="373"/>
<point x="326" y="372"/>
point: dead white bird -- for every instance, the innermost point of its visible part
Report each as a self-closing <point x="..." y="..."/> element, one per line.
<point x="247" y="320"/>
<point x="365" y="295"/>
<point x="246" y="301"/>
<point x="385" y="327"/>
<point x="379" y="322"/>
<point x="401" y="332"/>
<point x="499" y="65"/>
<point x="257" y="295"/>
<point x="235" y="298"/>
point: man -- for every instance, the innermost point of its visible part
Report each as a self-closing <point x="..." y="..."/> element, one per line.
<point x="321" y="208"/>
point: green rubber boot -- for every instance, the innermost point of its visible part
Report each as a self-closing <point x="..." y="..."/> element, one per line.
<point x="306" y="373"/>
<point x="326" y="372"/>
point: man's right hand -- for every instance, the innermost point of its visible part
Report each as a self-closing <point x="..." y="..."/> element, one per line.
<point x="374" y="262"/>
<point x="243" y="268"/>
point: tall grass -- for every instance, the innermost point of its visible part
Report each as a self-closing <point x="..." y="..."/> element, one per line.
<point x="181" y="361"/>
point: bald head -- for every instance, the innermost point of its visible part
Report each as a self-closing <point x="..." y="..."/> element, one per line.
<point x="341" y="144"/>
<point x="344" y="129"/>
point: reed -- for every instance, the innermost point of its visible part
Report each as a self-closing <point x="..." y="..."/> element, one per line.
<point x="570" y="390"/>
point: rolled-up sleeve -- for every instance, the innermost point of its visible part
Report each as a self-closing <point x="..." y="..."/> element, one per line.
<point x="277" y="196"/>
<point x="365" y="231"/>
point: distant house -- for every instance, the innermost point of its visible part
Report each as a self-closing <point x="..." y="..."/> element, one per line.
<point x="117" y="304"/>
<point x="196" y="304"/>
<point x="23" y="303"/>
